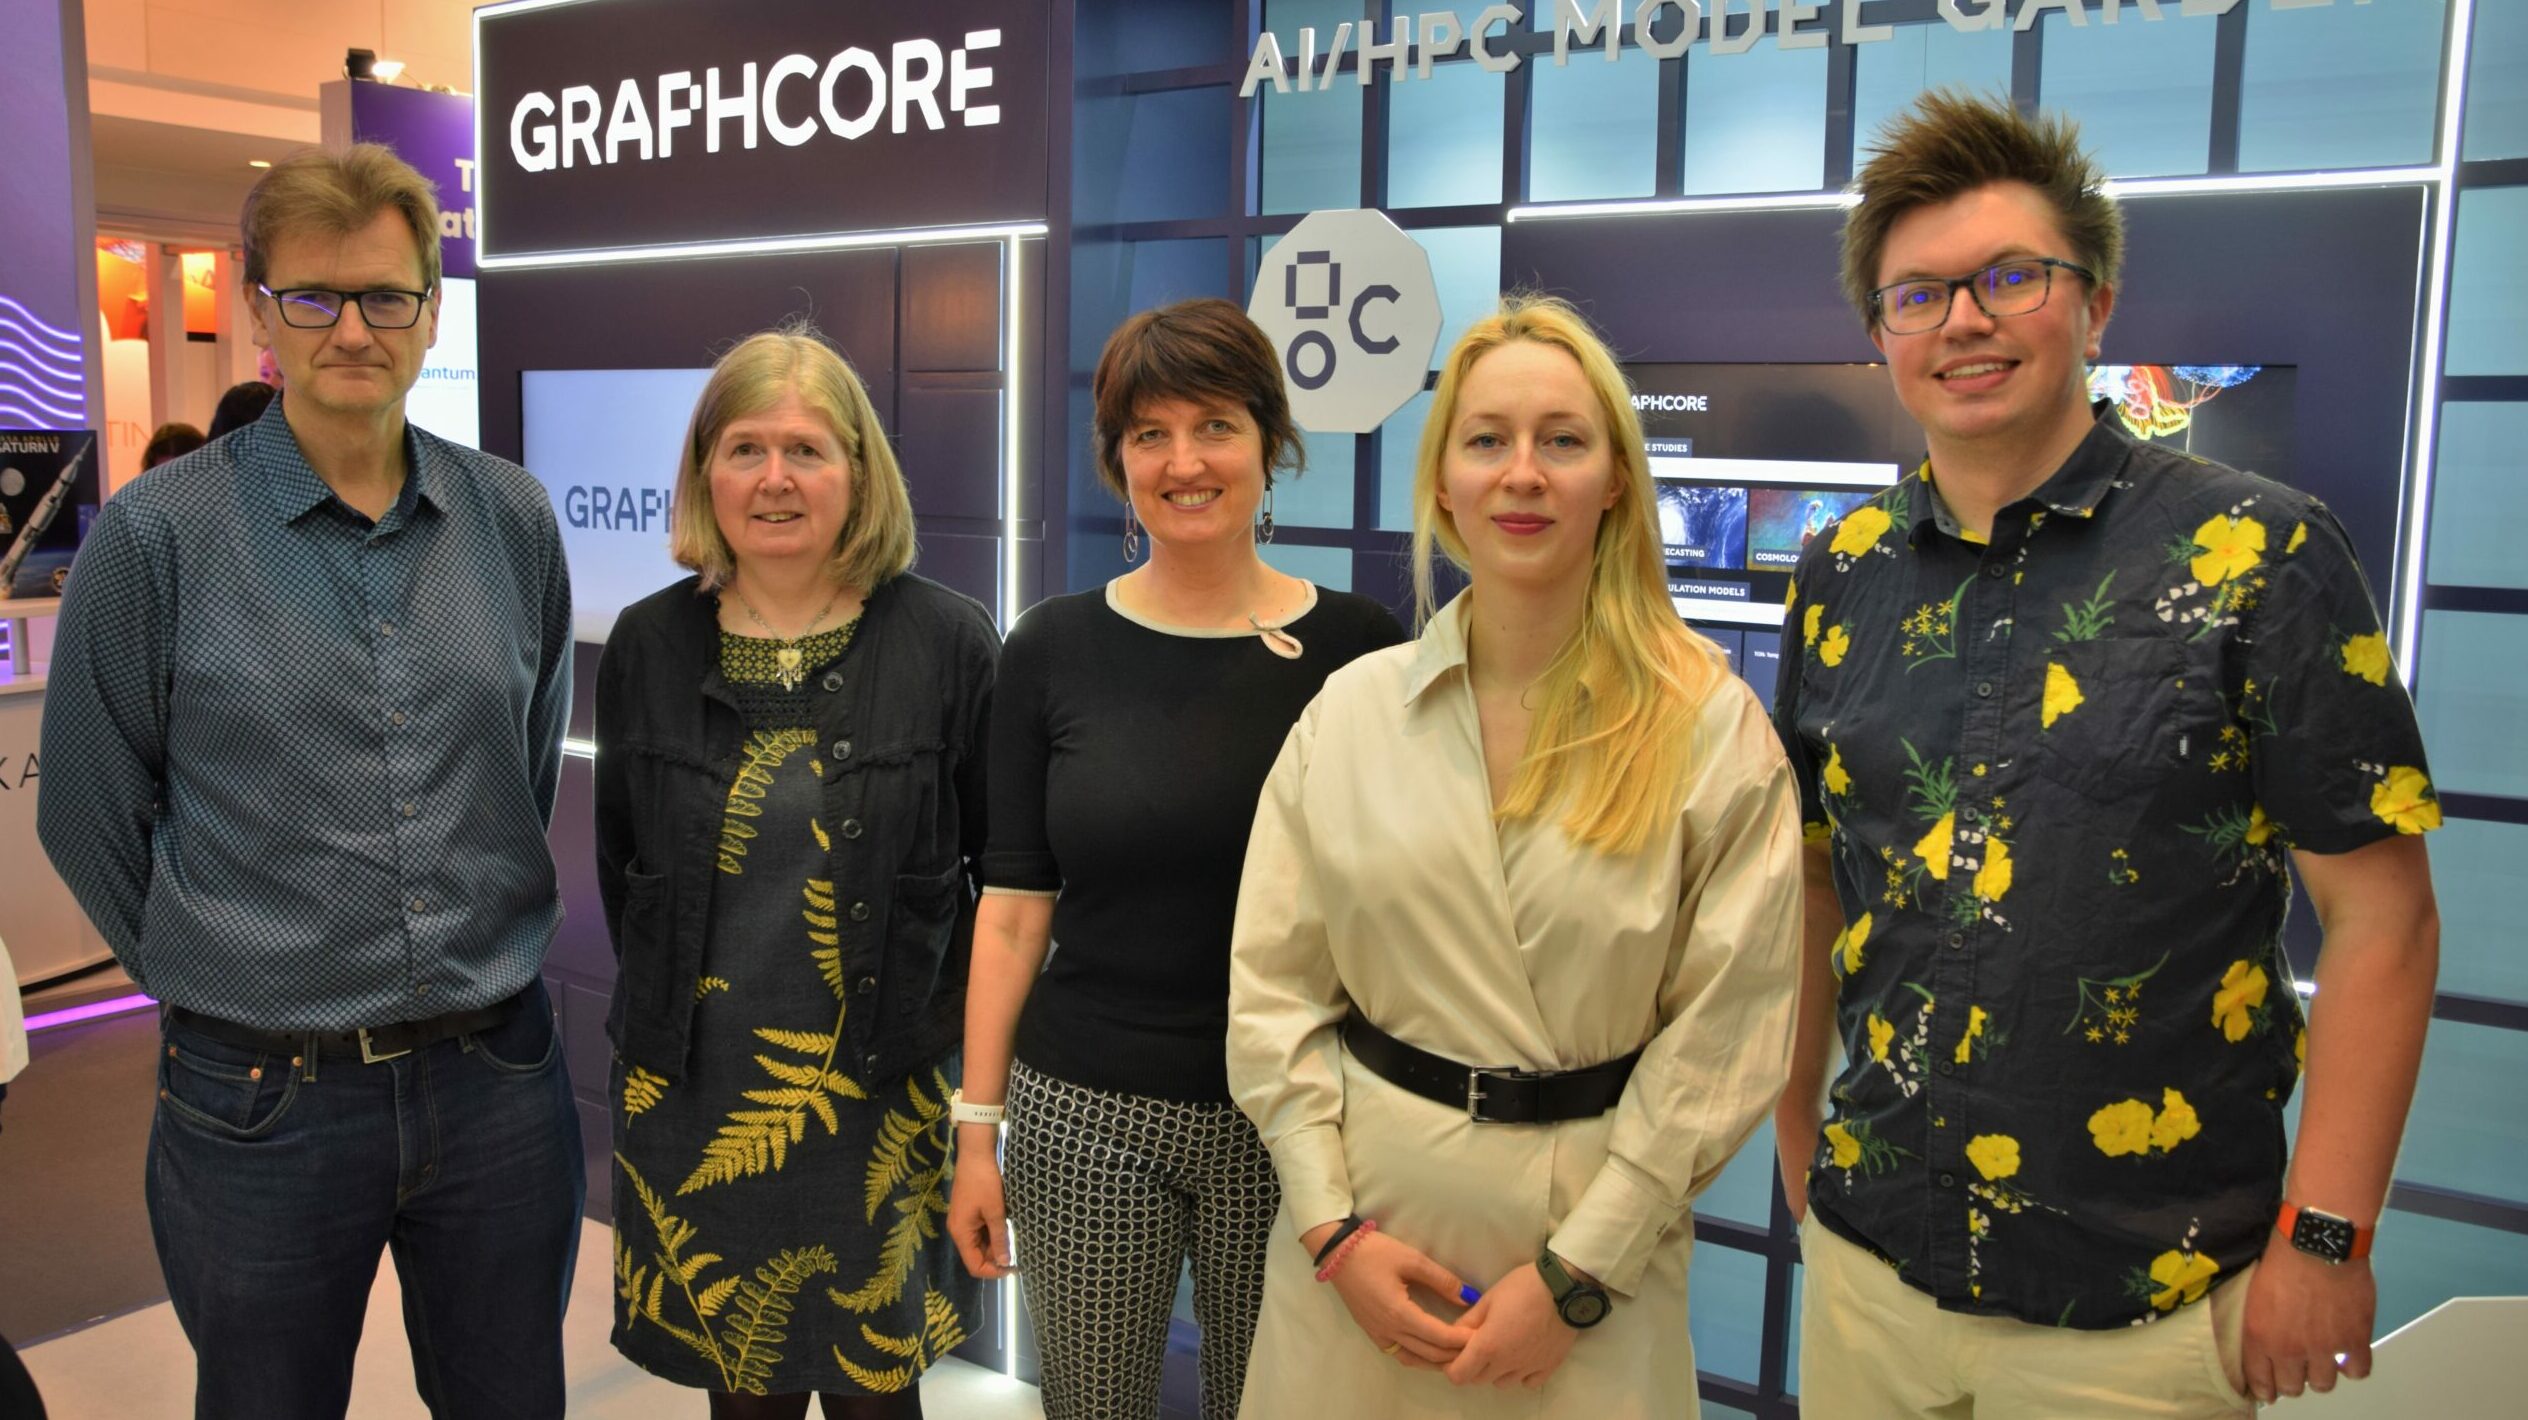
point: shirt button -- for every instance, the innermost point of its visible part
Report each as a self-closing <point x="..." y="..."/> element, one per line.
<point x="422" y="990"/>
<point x="1948" y="1067"/>
<point x="1956" y="940"/>
<point x="1994" y="570"/>
<point x="418" y="905"/>
<point x="869" y="1062"/>
<point x="842" y="749"/>
<point x="833" y="682"/>
<point x="860" y="912"/>
<point x="851" y="828"/>
<point x="408" y="810"/>
<point x="395" y="717"/>
<point x="1984" y="690"/>
<point x="1948" y="1180"/>
<point x="386" y="628"/>
<point x="868" y="984"/>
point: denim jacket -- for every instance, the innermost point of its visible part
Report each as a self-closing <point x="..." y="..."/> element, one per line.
<point x="902" y="724"/>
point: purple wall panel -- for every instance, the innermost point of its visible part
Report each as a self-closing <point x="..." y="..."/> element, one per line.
<point x="47" y="272"/>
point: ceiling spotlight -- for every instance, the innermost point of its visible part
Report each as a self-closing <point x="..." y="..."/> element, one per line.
<point x="360" y="64"/>
<point x="389" y="70"/>
<point x="258" y="162"/>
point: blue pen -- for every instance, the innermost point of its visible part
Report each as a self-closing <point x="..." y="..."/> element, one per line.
<point x="1468" y="1295"/>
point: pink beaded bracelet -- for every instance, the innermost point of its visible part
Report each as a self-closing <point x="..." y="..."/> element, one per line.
<point x="1368" y="1226"/>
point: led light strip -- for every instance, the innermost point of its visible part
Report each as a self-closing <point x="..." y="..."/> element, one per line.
<point x="761" y="246"/>
<point x="2273" y="182"/>
<point x="2120" y="188"/>
<point x="20" y="315"/>
<point x="2416" y="509"/>
<point x="1010" y="482"/>
<point x="1779" y="202"/>
<point x="94" y="1010"/>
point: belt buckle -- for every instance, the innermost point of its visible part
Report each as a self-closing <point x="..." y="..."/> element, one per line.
<point x="1476" y="1095"/>
<point x="369" y="1054"/>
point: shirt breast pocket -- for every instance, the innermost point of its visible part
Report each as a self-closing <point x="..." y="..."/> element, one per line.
<point x="2116" y="717"/>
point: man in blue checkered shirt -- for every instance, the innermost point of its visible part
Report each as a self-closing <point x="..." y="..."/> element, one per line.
<point x="301" y="742"/>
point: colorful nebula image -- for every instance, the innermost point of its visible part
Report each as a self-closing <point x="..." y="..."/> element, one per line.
<point x="2157" y="401"/>
<point x="1780" y="521"/>
<point x="2240" y="415"/>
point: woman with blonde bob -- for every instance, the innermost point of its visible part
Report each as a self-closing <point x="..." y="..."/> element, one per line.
<point x="789" y="794"/>
<point x="1514" y="958"/>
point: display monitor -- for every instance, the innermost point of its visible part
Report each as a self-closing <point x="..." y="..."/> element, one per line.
<point x="1750" y="462"/>
<point x="604" y="444"/>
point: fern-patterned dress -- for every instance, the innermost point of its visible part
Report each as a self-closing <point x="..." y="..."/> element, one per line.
<point x="777" y="1219"/>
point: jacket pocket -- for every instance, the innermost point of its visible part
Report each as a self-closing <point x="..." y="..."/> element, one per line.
<point x="645" y="953"/>
<point x="921" y="924"/>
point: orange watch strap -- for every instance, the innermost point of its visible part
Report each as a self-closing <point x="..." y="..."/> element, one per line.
<point x="2289" y="1221"/>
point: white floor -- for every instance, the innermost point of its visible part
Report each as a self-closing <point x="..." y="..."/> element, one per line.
<point x="140" y="1365"/>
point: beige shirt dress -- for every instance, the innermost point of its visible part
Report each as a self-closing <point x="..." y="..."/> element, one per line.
<point x="1376" y="881"/>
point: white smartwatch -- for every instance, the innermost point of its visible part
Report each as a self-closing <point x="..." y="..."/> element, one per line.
<point x="960" y="1112"/>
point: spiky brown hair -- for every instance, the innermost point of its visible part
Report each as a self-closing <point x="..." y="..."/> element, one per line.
<point x="1952" y="142"/>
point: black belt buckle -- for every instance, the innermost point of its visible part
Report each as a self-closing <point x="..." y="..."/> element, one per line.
<point x="1476" y="1094"/>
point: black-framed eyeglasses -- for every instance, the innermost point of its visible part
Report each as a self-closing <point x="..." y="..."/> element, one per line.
<point x="2005" y="288"/>
<point x="314" y="308"/>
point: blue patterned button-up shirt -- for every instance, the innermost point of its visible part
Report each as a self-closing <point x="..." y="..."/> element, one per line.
<point x="298" y="766"/>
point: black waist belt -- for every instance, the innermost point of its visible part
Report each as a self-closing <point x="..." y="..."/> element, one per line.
<point x="1494" y="1094"/>
<point x="372" y="1045"/>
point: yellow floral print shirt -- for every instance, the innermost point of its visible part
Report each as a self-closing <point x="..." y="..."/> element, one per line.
<point x="2058" y="773"/>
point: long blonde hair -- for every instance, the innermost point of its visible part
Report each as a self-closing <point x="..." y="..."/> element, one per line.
<point x="1611" y="744"/>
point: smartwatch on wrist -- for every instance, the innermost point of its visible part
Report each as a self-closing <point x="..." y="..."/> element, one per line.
<point x="1580" y="1304"/>
<point x="960" y="1112"/>
<point x="2323" y="1235"/>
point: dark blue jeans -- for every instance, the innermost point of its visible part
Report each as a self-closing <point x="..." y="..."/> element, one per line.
<point x="272" y="1190"/>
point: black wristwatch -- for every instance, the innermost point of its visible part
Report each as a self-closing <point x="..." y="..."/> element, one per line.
<point x="1580" y="1304"/>
<point x="2324" y="1236"/>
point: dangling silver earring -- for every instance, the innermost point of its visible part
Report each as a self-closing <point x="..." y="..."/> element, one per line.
<point x="1132" y="536"/>
<point x="1264" y="525"/>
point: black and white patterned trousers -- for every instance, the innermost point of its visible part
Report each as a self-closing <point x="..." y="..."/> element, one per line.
<point x="1108" y="1193"/>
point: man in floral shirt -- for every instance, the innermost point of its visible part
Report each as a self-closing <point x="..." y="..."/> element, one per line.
<point x="2068" y="708"/>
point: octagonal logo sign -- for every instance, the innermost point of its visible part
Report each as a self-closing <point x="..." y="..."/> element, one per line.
<point x="1348" y="302"/>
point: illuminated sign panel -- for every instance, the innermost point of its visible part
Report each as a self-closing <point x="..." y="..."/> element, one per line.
<point x="613" y="124"/>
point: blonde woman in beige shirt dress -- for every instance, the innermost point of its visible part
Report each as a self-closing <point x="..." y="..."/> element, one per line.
<point x="1463" y="859"/>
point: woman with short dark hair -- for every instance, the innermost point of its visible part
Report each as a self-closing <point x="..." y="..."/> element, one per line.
<point x="1131" y="732"/>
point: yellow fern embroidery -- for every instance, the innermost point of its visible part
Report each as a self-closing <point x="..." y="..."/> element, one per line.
<point x="706" y="985"/>
<point x="942" y="1331"/>
<point x="752" y="1141"/>
<point x="918" y="1215"/>
<point x="756" y="1324"/>
<point x="900" y="1150"/>
<point x="646" y="1293"/>
<point x="641" y="1089"/>
<point x="764" y="751"/>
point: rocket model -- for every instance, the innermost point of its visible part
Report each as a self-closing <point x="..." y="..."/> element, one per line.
<point x="41" y="518"/>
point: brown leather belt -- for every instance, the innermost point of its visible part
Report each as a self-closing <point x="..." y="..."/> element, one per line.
<point x="372" y="1044"/>
<point x="1498" y="1094"/>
